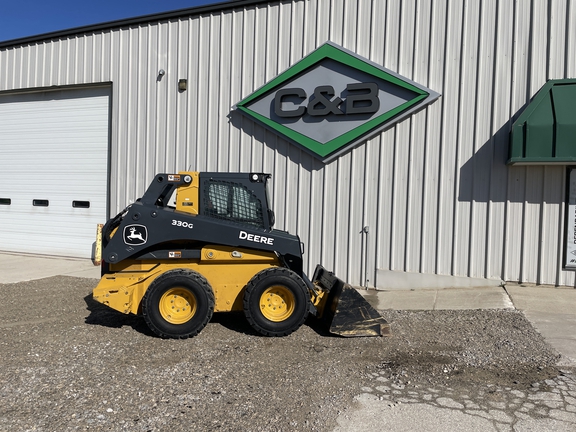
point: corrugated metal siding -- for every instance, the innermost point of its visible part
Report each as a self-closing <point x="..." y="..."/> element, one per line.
<point x="434" y="191"/>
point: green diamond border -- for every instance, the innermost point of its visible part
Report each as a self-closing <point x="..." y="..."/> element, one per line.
<point x="333" y="52"/>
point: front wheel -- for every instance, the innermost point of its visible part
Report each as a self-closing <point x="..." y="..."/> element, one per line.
<point x="276" y="302"/>
<point x="178" y="304"/>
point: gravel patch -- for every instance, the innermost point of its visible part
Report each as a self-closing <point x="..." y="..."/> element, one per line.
<point x="69" y="363"/>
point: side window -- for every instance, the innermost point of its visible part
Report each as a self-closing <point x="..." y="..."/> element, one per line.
<point x="232" y="202"/>
<point x="218" y="200"/>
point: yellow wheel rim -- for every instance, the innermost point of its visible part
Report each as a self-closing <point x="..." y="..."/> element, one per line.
<point x="177" y="305"/>
<point x="277" y="303"/>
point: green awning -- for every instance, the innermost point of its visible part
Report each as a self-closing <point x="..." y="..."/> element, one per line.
<point x="545" y="133"/>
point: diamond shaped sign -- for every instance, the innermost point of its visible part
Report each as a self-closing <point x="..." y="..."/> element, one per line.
<point x="332" y="99"/>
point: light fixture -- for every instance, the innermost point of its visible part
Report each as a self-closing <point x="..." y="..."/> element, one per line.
<point x="182" y="84"/>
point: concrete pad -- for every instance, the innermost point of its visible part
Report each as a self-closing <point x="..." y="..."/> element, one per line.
<point x="552" y="311"/>
<point x="440" y="299"/>
<point x="559" y="330"/>
<point x="397" y="280"/>
<point x="543" y="298"/>
<point x="18" y="268"/>
<point x="401" y="300"/>
<point x="473" y="298"/>
<point x="372" y="414"/>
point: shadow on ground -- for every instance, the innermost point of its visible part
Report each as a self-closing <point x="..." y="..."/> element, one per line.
<point x="102" y="315"/>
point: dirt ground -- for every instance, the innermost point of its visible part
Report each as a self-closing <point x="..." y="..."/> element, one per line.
<point x="69" y="363"/>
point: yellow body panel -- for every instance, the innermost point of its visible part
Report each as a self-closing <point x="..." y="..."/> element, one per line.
<point x="226" y="269"/>
<point x="123" y="290"/>
<point x="97" y="247"/>
<point x="319" y="298"/>
<point x="187" y="196"/>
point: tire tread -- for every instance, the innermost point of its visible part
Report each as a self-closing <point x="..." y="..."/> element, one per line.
<point x="256" y="282"/>
<point x="190" y="274"/>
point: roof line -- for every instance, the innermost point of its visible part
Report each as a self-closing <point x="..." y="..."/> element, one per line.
<point x="198" y="10"/>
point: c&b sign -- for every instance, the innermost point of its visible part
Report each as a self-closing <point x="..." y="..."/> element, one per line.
<point x="333" y="99"/>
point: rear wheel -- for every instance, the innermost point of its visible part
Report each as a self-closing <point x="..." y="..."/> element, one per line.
<point x="276" y="302"/>
<point x="178" y="304"/>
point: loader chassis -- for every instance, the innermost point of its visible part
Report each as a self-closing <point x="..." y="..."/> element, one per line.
<point x="198" y="243"/>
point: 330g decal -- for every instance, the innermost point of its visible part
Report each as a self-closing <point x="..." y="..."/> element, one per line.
<point x="182" y="224"/>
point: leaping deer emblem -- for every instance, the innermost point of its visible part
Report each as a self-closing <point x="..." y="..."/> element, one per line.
<point x="134" y="235"/>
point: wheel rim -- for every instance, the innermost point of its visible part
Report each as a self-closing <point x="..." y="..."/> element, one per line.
<point x="277" y="303"/>
<point x="177" y="305"/>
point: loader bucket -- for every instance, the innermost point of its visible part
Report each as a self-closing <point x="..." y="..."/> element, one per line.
<point x="345" y="312"/>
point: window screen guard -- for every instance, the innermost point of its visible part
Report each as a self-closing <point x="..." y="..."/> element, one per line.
<point x="232" y="202"/>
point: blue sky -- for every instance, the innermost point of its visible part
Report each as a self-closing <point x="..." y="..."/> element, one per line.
<point x="23" y="18"/>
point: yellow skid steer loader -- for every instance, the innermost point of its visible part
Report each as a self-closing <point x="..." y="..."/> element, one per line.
<point x="198" y="243"/>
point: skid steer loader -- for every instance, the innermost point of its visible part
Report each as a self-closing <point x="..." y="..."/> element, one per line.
<point x="198" y="243"/>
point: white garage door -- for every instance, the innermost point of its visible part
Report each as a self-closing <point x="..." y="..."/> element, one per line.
<point x="53" y="170"/>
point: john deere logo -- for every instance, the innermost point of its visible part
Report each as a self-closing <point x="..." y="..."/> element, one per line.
<point x="135" y="235"/>
<point x="333" y="99"/>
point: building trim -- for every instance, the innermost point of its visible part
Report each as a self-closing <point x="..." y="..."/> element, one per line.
<point x="144" y="19"/>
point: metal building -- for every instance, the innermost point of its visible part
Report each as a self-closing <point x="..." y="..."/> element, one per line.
<point x="88" y="116"/>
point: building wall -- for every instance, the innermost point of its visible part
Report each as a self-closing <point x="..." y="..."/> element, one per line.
<point x="434" y="190"/>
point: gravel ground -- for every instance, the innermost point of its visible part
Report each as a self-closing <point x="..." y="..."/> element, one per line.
<point x="69" y="363"/>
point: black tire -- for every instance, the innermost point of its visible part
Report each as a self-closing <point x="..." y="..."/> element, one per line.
<point x="178" y="304"/>
<point x="276" y="302"/>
